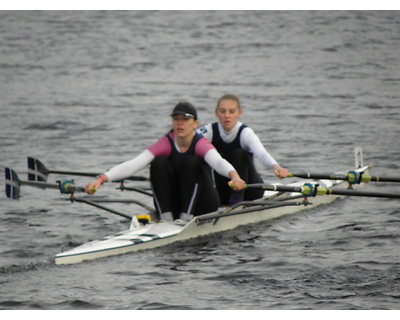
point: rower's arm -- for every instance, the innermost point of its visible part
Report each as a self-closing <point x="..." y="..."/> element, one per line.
<point x="224" y="168"/>
<point x="121" y="171"/>
<point x="219" y="164"/>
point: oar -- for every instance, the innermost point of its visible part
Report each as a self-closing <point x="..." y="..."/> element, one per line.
<point x="37" y="171"/>
<point x="352" y="177"/>
<point x="13" y="184"/>
<point x="310" y="190"/>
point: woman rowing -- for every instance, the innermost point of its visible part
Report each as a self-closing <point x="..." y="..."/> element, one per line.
<point x="237" y="143"/>
<point x="181" y="183"/>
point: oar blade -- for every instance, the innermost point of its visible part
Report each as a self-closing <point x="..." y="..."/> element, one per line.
<point x="37" y="171"/>
<point x="13" y="184"/>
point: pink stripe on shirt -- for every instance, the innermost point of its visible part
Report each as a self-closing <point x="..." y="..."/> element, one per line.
<point x="163" y="147"/>
<point x="202" y="147"/>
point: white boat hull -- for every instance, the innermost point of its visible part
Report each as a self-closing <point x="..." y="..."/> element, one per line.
<point x="155" y="235"/>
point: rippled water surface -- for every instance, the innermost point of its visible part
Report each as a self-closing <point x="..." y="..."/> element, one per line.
<point x="86" y="90"/>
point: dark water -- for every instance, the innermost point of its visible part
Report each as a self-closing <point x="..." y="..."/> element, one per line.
<point x="86" y="90"/>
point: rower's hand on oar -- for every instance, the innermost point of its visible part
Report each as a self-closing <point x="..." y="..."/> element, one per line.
<point x="280" y="172"/>
<point x="92" y="187"/>
<point x="237" y="184"/>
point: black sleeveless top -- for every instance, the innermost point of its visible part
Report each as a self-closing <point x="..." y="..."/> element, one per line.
<point x="177" y="157"/>
<point x="226" y="149"/>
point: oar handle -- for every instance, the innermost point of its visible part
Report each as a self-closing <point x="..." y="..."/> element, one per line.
<point x="233" y="185"/>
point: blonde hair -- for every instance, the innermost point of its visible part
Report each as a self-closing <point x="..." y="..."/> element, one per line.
<point x="229" y="97"/>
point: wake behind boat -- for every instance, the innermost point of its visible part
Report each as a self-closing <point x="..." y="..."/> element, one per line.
<point x="279" y="200"/>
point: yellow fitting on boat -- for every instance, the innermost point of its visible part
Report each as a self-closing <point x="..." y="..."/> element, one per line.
<point x="350" y="178"/>
<point x="322" y="191"/>
<point x="143" y="217"/>
<point x="307" y="190"/>
<point x="365" y="178"/>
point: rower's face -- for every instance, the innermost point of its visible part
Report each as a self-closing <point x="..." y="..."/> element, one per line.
<point x="183" y="126"/>
<point x="228" y="114"/>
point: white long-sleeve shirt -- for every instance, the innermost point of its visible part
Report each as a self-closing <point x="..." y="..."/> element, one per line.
<point x="249" y="141"/>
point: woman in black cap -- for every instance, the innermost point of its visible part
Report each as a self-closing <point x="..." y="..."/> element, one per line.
<point x="181" y="183"/>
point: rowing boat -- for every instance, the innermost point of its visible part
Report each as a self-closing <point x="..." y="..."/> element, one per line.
<point x="279" y="200"/>
<point x="275" y="204"/>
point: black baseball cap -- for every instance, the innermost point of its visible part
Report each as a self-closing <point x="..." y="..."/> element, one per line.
<point x="186" y="109"/>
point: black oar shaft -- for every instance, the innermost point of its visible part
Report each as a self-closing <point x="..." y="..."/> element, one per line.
<point x="313" y="190"/>
<point x="74" y="173"/>
<point x="384" y="179"/>
<point x="93" y="174"/>
<point x="357" y="193"/>
<point x="318" y="176"/>
<point x="64" y="187"/>
<point x="273" y="187"/>
<point x="345" y="177"/>
<point x="37" y="171"/>
<point x="40" y="184"/>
